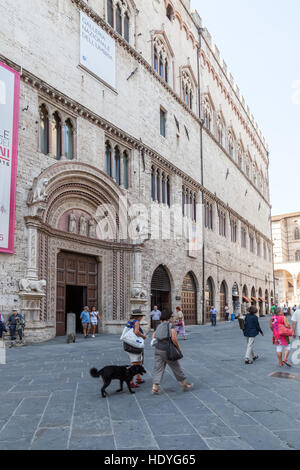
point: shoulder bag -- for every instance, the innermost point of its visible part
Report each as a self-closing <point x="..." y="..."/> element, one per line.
<point x="284" y="331"/>
<point x="129" y="337"/>
<point x="173" y="354"/>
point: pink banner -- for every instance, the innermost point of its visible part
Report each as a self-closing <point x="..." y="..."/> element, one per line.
<point x="9" y="125"/>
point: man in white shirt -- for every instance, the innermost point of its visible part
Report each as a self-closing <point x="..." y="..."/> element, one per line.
<point x="155" y="316"/>
<point x="296" y="323"/>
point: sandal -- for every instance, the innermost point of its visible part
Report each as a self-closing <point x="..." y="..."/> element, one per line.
<point x="287" y="363"/>
<point x="133" y="385"/>
<point x="248" y="362"/>
<point x="156" y="391"/>
<point x="255" y="357"/>
<point x="187" y="386"/>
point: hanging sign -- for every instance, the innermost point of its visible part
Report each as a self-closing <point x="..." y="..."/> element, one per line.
<point x="9" y="124"/>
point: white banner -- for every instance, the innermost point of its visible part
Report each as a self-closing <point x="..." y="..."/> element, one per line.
<point x="9" y="123"/>
<point x="97" y="51"/>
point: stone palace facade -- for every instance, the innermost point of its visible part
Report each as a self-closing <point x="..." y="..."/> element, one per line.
<point x="286" y="239"/>
<point x="140" y="182"/>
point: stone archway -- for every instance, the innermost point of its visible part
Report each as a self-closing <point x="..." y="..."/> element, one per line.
<point x="161" y="289"/>
<point x="223" y="299"/>
<point x="189" y="299"/>
<point x="209" y="297"/>
<point x="253" y="297"/>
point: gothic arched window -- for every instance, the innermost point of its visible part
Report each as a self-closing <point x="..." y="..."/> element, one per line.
<point x="297" y="233"/>
<point x="108" y="166"/>
<point x="68" y="135"/>
<point x="56" y="136"/>
<point x="110" y="13"/>
<point x="126" y="27"/>
<point x="44" y="130"/>
<point x="117" y="165"/>
<point x="125" y="169"/>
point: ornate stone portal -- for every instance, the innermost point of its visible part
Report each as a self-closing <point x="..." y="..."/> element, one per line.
<point x="62" y="216"/>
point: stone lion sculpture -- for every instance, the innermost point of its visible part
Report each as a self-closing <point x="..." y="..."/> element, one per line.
<point x="39" y="192"/>
<point x="27" y="285"/>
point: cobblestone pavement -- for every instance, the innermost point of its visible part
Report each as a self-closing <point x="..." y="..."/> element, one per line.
<point x="49" y="401"/>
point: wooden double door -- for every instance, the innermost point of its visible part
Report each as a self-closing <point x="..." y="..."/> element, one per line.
<point x="189" y="300"/>
<point x="77" y="286"/>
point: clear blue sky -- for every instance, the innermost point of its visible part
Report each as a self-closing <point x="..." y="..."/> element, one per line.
<point x="260" y="40"/>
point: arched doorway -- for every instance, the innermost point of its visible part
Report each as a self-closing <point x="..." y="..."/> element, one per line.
<point x="161" y="289"/>
<point x="236" y="299"/>
<point x="253" y="297"/>
<point x="260" y="303"/>
<point x="272" y="298"/>
<point x="267" y="302"/>
<point x="246" y="301"/>
<point x="209" y="297"/>
<point x="223" y="299"/>
<point x="77" y="286"/>
<point x="189" y="300"/>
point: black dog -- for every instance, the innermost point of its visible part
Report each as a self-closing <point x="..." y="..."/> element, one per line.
<point x="122" y="373"/>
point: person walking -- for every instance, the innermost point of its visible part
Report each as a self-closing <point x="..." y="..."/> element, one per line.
<point x="285" y="310"/>
<point x="296" y="323"/>
<point x="2" y="325"/>
<point x="16" y="323"/>
<point x="179" y="322"/>
<point x="213" y="316"/>
<point x="85" y="321"/>
<point x="281" y="342"/>
<point x="163" y="334"/>
<point x="95" y="317"/>
<point x="226" y="308"/>
<point x="136" y="355"/>
<point x="252" y="329"/>
<point x="155" y="317"/>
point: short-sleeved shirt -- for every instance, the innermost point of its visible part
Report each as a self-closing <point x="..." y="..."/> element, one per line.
<point x="163" y="333"/>
<point x="296" y="318"/>
<point x="85" y="317"/>
<point x="94" y="317"/>
<point x="155" y="314"/>
<point x="213" y="311"/>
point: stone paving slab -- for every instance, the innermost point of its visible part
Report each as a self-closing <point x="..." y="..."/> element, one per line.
<point x="48" y="400"/>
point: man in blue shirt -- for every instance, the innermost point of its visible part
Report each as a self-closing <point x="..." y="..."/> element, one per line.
<point x="85" y="320"/>
<point x="155" y="316"/>
<point x="213" y="316"/>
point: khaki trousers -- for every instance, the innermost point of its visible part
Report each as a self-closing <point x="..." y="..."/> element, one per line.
<point x="250" y="348"/>
<point x="160" y="362"/>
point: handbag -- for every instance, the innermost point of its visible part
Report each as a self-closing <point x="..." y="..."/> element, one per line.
<point x="129" y="337"/>
<point x="131" y="349"/>
<point x="284" y="331"/>
<point x="173" y="354"/>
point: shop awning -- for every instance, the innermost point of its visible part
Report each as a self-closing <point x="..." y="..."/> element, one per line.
<point x="254" y="299"/>
<point x="261" y="299"/>
<point x="246" y="299"/>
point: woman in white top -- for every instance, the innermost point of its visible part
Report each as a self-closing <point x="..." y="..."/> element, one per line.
<point x="94" y="320"/>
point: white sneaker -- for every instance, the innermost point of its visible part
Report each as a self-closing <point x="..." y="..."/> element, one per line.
<point x="93" y="336"/>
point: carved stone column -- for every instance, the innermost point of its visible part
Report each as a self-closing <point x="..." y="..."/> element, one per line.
<point x="32" y="269"/>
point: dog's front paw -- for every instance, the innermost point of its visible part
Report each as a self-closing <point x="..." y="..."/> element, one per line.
<point x="120" y="390"/>
<point x="131" y="391"/>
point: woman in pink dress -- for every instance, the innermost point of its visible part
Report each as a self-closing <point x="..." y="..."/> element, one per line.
<point x="281" y="342"/>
